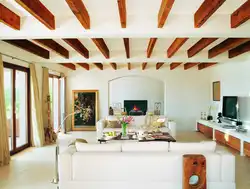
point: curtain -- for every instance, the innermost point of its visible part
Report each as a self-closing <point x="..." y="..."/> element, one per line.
<point x="4" y="143"/>
<point x="37" y="118"/>
<point x="45" y="93"/>
<point x="62" y="101"/>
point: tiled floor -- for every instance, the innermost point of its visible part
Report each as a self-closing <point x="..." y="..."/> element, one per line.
<point x="34" y="168"/>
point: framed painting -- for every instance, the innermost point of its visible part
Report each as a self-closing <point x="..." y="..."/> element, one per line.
<point x="85" y="106"/>
<point x="216" y="91"/>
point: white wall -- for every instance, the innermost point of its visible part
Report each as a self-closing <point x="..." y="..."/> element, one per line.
<point x="187" y="93"/>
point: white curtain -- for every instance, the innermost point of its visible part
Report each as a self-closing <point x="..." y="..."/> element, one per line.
<point x="37" y="118"/>
<point x="4" y="143"/>
<point x="45" y="93"/>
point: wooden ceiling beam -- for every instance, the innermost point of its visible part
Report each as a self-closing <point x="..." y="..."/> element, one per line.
<point x="241" y="15"/>
<point x="84" y="65"/>
<point x="144" y="65"/>
<point x="129" y="66"/>
<point x="205" y="11"/>
<point x="126" y="44"/>
<point x="54" y="46"/>
<point x="122" y="12"/>
<point x="226" y="45"/>
<point x="199" y="46"/>
<point x="159" y="65"/>
<point x="241" y="49"/>
<point x="29" y="47"/>
<point x="174" y="65"/>
<point x="9" y="18"/>
<point x="202" y="66"/>
<point x="190" y="65"/>
<point x="78" y="46"/>
<point x="69" y="65"/>
<point x="114" y="66"/>
<point x="151" y="46"/>
<point x="99" y="65"/>
<point x="101" y="45"/>
<point x="80" y="11"/>
<point x="39" y="11"/>
<point x="166" y="6"/>
<point x="178" y="42"/>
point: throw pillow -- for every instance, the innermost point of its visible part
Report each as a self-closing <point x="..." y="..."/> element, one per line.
<point x="113" y="124"/>
<point x="158" y="124"/>
<point x="80" y="140"/>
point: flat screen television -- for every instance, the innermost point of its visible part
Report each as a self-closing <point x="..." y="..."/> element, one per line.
<point x="230" y="107"/>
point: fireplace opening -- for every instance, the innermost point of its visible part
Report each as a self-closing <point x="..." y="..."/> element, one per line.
<point x="136" y="107"/>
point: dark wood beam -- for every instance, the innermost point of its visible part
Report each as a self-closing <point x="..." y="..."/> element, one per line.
<point x="80" y="11"/>
<point x="166" y="6"/>
<point x="226" y="45"/>
<point x="101" y="45"/>
<point x="114" y="66"/>
<point x="199" y="46"/>
<point x="151" y="46"/>
<point x="99" y="65"/>
<point x="29" y="47"/>
<point x="39" y="11"/>
<point x="159" y="65"/>
<point x="9" y="18"/>
<point x="190" y="65"/>
<point x="54" y="46"/>
<point x="122" y="12"/>
<point x="202" y="66"/>
<point x="78" y="46"/>
<point x="69" y="65"/>
<point x="178" y="42"/>
<point x="241" y="49"/>
<point x="126" y="44"/>
<point x="84" y="65"/>
<point x="174" y="65"/>
<point x="144" y="65"/>
<point x="241" y="15"/>
<point x="129" y="66"/>
<point x="205" y="11"/>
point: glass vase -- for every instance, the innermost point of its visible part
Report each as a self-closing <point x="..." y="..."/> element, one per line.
<point x="124" y="129"/>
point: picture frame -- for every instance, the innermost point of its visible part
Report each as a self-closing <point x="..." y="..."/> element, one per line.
<point x="216" y="91"/>
<point x="85" y="106"/>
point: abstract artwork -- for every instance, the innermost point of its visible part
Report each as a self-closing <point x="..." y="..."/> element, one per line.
<point x="85" y="106"/>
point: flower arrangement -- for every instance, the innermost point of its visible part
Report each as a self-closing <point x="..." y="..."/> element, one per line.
<point x="124" y="121"/>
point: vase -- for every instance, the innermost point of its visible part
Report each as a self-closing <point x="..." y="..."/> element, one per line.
<point x="124" y="129"/>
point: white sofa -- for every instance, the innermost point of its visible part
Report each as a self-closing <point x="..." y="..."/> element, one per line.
<point x="140" y="166"/>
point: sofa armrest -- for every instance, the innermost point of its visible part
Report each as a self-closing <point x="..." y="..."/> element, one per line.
<point x="65" y="164"/>
<point x="99" y="128"/>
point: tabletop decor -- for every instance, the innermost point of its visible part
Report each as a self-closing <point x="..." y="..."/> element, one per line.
<point x="124" y="121"/>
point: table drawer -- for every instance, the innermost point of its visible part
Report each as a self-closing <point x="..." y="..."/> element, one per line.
<point x="247" y="148"/>
<point x="233" y="142"/>
<point x="220" y="137"/>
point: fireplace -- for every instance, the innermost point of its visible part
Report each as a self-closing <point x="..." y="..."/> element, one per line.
<point x="136" y="107"/>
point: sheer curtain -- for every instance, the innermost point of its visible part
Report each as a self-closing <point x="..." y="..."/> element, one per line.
<point x="45" y="93"/>
<point x="36" y="111"/>
<point x="4" y="145"/>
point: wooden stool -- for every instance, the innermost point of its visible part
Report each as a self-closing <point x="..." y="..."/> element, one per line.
<point x="194" y="172"/>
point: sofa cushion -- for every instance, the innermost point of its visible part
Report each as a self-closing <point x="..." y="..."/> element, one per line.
<point x="192" y="147"/>
<point x="113" y="124"/>
<point x="112" y="147"/>
<point x="145" y="147"/>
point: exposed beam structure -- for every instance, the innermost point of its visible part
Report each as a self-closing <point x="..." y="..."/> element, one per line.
<point x="159" y="65"/>
<point x="245" y="47"/>
<point x="144" y="65"/>
<point x="122" y="12"/>
<point x="54" y="46"/>
<point x="80" y="11"/>
<point x="84" y="65"/>
<point x="166" y="6"/>
<point x="151" y="46"/>
<point x="190" y="65"/>
<point x="241" y="15"/>
<point x="114" y="66"/>
<point x="99" y="65"/>
<point x="129" y="66"/>
<point x="174" y="65"/>
<point x="101" y="45"/>
<point x="178" y="42"/>
<point x="202" y="66"/>
<point x="78" y="46"/>
<point x="205" y="11"/>
<point x="30" y="47"/>
<point x="39" y="11"/>
<point x="126" y="44"/>
<point x="199" y="46"/>
<point x="226" y="45"/>
<point x="69" y="65"/>
<point x="9" y="18"/>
